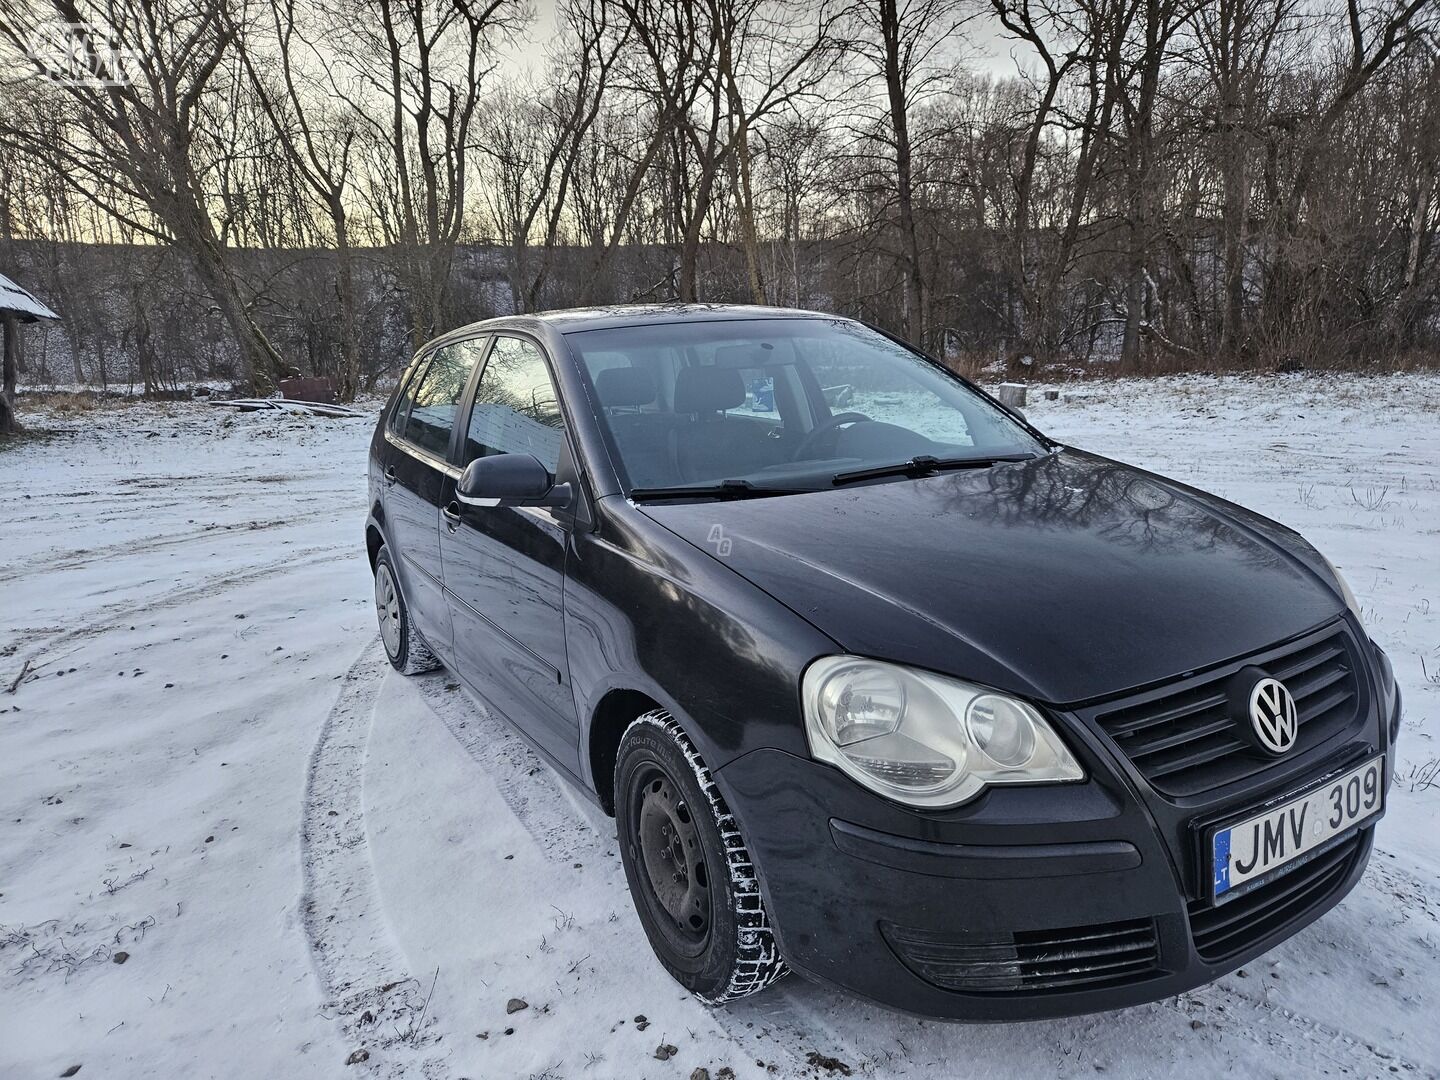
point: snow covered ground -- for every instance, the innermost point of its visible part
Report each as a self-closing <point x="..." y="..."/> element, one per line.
<point x="209" y="772"/>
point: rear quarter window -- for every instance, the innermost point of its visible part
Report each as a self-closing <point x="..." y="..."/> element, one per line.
<point x="437" y="395"/>
<point x="406" y="397"/>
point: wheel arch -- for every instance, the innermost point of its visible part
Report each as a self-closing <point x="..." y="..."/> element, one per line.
<point x="613" y="713"/>
<point x="374" y="538"/>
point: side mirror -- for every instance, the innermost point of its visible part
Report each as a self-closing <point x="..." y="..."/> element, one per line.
<point x="510" y="480"/>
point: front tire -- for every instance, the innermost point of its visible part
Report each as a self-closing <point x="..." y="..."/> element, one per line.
<point x="690" y="874"/>
<point x="406" y="649"/>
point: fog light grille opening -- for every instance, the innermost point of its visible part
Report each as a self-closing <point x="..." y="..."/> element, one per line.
<point x="1234" y="926"/>
<point x="1186" y="740"/>
<point x="1028" y="961"/>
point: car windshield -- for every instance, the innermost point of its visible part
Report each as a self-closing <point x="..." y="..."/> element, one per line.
<point x="782" y="405"/>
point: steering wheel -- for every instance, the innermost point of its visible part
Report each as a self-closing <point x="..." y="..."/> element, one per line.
<point x="824" y="428"/>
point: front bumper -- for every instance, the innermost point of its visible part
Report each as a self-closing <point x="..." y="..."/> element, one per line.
<point x="1029" y="902"/>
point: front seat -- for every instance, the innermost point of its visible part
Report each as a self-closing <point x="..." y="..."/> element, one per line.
<point x="641" y="436"/>
<point x="707" y="444"/>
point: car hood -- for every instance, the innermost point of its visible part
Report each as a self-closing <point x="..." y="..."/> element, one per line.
<point x="1064" y="579"/>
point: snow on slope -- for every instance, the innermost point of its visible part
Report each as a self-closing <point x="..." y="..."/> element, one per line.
<point x="210" y="768"/>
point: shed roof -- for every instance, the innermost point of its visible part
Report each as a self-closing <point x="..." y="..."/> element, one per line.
<point x="14" y="298"/>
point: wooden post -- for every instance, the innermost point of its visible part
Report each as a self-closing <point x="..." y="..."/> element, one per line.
<point x="8" y="424"/>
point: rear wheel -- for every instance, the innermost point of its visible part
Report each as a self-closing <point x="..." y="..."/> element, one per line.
<point x="404" y="646"/>
<point x="690" y="873"/>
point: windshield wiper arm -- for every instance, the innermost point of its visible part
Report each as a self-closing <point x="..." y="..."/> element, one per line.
<point x="925" y="465"/>
<point x="725" y="489"/>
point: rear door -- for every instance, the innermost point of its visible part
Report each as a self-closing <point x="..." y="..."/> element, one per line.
<point x="418" y="468"/>
<point x="505" y="566"/>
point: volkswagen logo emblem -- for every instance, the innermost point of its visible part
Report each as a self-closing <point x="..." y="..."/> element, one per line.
<point x="1272" y="714"/>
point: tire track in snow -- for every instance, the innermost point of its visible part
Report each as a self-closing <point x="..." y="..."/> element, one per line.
<point x="43" y="564"/>
<point x="1415" y="894"/>
<point x="340" y="906"/>
<point x="104" y="618"/>
<point x="366" y="980"/>
<point x="1299" y="1040"/>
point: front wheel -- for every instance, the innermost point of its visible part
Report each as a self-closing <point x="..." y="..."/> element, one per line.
<point x="690" y="874"/>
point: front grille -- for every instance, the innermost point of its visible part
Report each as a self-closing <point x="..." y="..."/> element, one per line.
<point x="1232" y="927"/>
<point x="1029" y="961"/>
<point x="1185" y="740"/>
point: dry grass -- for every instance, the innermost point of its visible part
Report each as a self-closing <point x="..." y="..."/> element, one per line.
<point x="76" y="403"/>
<point x="69" y="403"/>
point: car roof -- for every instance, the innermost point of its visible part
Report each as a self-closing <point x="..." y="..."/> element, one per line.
<point x="578" y="320"/>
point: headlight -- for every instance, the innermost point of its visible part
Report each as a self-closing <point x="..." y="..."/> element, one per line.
<point x="923" y="739"/>
<point x="1350" y="601"/>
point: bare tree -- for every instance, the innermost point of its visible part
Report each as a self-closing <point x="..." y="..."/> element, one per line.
<point x="1417" y="110"/>
<point x="897" y="42"/>
<point x="534" y="139"/>
<point x="1238" y="42"/>
<point x="715" y="71"/>
<point x="288" y="72"/>
<point x="413" y="74"/>
<point x="794" y="148"/>
<point x="1138" y="46"/>
<point x="1063" y="39"/>
<point x="1374" y="36"/>
<point x="138" y="141"/>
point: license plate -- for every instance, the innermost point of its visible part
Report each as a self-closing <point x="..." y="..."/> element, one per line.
<point x="1247" y="852"/>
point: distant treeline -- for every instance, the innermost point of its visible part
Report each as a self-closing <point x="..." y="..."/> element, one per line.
<point x="1163" y="185"/>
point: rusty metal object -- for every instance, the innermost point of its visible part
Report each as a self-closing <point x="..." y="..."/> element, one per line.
<point x="309" y="389"/>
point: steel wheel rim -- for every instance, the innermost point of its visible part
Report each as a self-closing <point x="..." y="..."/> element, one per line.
<point x="673" y="858"/>
<point x="387" y="606"/>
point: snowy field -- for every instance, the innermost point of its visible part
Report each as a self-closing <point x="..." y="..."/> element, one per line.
<point x="236" y="844"/>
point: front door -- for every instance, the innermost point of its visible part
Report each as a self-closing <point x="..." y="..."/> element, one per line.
<point x="505" y="566"/>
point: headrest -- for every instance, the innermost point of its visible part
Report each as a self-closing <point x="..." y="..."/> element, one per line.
<point x="708" y="389"/>
<point x="625" y="386"/>
<point x="743" y="356"/>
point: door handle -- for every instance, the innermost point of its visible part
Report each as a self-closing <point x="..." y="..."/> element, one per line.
<point x="389" y="475"/>
<point x="451" y="514"/>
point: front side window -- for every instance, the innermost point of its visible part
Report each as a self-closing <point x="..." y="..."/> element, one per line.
<point x="437" y="396"/>
<point x="784" y="403"/>
<point x="516" y="409"/>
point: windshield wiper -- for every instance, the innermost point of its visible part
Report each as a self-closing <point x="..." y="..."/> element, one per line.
<point x="725" y="489"/>
<point x="925" y="465"/>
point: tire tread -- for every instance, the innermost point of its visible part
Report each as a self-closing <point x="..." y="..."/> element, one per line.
<point x="758" y="960"/>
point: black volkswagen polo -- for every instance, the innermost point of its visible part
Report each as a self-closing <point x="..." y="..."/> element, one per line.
<point x="879" y="683"/>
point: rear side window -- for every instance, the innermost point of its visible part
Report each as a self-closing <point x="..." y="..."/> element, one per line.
<point x="516" y="410"/>
<point x="437" y="396"/>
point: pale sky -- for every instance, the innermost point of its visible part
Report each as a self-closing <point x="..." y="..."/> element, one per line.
<point x="985" y="51"/>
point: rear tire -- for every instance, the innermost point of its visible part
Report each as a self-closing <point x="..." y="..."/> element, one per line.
<point x="691" y="876"/>
<point x="406" y="649"/>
